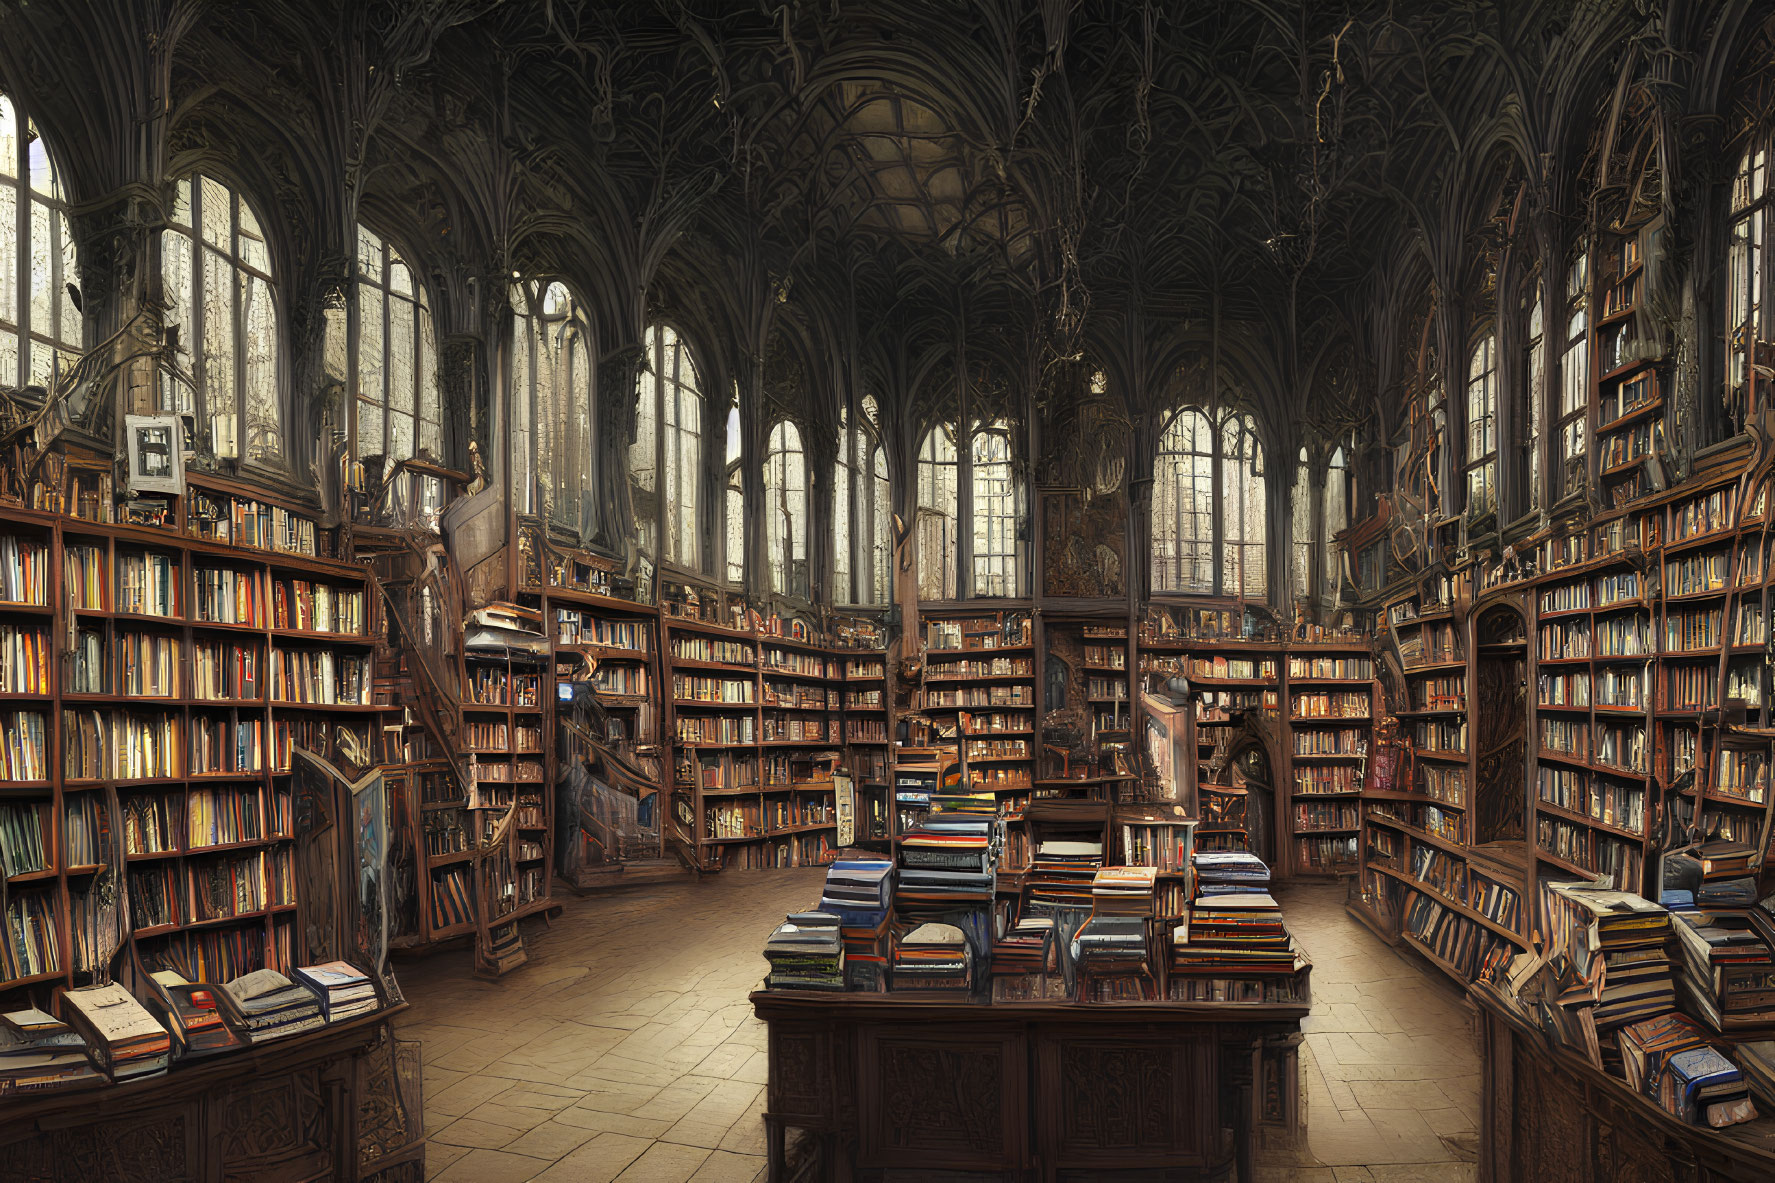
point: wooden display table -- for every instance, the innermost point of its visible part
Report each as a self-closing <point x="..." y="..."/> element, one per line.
<point x="1027" y="1090"/>
<point x="341" y="1103"/>
<point x="1548" y="1113"/>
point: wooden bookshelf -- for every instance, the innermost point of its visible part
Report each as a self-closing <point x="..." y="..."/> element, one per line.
<point x="203" y="648"/>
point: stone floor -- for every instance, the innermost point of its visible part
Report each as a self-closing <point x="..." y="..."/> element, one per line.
<point x="624" y="1051"/>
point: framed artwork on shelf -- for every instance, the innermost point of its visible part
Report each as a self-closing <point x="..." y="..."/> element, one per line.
<point x="156" y="454"/>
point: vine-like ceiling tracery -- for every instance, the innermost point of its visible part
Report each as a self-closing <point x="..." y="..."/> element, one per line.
<point x="1022" y="182"/>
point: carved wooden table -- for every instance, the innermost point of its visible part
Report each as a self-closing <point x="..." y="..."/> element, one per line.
<point x="339" y="1103"/>
<point x="895" y="1085"/>
<point x="1547" y="1113"/>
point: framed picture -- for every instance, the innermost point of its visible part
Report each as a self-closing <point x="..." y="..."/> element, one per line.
<point x="156" y="454"/>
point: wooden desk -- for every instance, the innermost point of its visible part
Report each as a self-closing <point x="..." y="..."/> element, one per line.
<point x="1548" y="1113"/>
<point x="1017" y="1091"/>
<point x="339" y="1103"/>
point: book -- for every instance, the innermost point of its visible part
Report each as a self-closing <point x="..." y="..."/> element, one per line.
<point x="123" y="1038"/>
<point x="344" y="990"/>
<point x="273" y="1007"/>
<point x="39" y="1053"/>
<point x="806" y="952"/>
<point x="201" y="1019"/>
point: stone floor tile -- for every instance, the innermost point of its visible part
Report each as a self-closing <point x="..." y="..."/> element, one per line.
<point x="551" y="1140"/>
<point x="465" y="1131"/>
<point x="722" y="1167"/>
<point x="466" y="1094"/>
<point x="616" y="1123"/>
<point x="598" y="1161"/>
<point x="439" y="1156"/>
<point x="665" y="1162"/>
<point x="492" y="1166"/>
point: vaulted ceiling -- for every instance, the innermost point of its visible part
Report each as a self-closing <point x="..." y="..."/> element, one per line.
<point x="835" y="195"/>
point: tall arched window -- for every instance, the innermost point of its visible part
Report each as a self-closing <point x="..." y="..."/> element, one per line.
<point x="734" y="500"/>
<point x="1532" y="413"/>
<point x="785" y="510"/>
<point x="996" y="511"/>
<point x="881" y="544"/>
<point x="1482" y="425"/>
<point x="859" y="511"/>
<point x="1574" y="381"/>
<point x="1300" y="565"/>
<point x="552" y="393"/>
<point x="1183" y="506"/>
<point x="667" y="453"/>
<point x="39" y="325"/>
<point x="216" y="275"/>
<point x="1744" y="271"/>
<point x="397" y="368"/>
<point x="939" y="486"/>
<point x="1242" y="507"/>
<point x="1337" y="516"/>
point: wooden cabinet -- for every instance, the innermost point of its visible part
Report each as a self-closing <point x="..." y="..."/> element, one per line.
<point x="339" y="1104"/>
<point x="1051" y="1090"/>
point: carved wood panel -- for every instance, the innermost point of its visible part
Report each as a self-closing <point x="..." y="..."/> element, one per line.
<point x="799" y="1082"/>
<point x="958" y="1101"/>
<point x="1104" y="1099"/>
<point x="162" y="1145"/>
<point x="278" y="1128"/>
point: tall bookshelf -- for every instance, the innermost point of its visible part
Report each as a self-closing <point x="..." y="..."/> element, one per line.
<point x="503" y="734"/>
<point x="1594" y="675"/>
<point x="1330" y="689"/>
<point x="1424" y="882"/>
<point x="859" y="657"/>
<point x="210" y="634"/>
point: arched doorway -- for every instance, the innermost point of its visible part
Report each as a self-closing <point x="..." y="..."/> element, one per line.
<point x="1499" y="711"/>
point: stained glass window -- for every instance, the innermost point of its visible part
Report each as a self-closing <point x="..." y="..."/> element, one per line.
<point x="1744" y="264"/>
<point x="216" y="276"/>
<point x="996" y="493"/>
<point x="1300" y="567"/>
<point x="785" y="510"/>
<point x="860" y="546"/>
<point x="1482" y="426"/>
<point x="1574" y="381"/>
<point x="1534" y="403"/>
<point x="938" y="513"/>
<point x="397" y="386"/>
<point x="1337" y="516"/>
<point x="40" y="330"/>
<point x="667" y="454"/>
<point x="553" y="461"/>
<point x="1183" y="506"/>
<point x="736" y="495"/>
<point x="1242" y="510"/>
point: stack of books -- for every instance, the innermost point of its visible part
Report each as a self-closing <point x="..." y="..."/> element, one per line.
<point x="122" y="1037"/>
<point x="947" y="860"/>
<point x="1025" y="962"/>
<point x="933" y="957"/>
<point x="273" y="1007"/>
<point x="344" y="991"/>
<point x="860" y="892"/>
<point x="1230" y="872"/>
<point x="200" y="1018"/>
<point x="1062" y="872"/>
<point x="1233" y="935"/>
<point x="1728" y="875"/>
<point x="1112" y="949"/>
<point x="1727" y="966"/>
<point x="806" y="952"/>
<point x="1615" y="943"/>
<point x="39" y="1054"/>
<point x="1669" y="1059"/>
